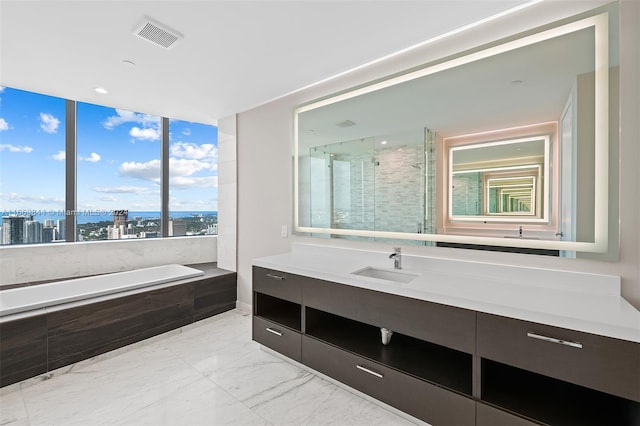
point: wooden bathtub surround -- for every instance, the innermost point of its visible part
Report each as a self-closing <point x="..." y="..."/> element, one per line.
<point x="34" y="345"/>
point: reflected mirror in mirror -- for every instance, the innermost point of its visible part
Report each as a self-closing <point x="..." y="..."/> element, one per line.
<point x="501" y="181"/>
<point x="387" y="160"/>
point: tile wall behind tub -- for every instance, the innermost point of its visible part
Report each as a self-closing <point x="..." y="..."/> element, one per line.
<point x="23" y="264"/>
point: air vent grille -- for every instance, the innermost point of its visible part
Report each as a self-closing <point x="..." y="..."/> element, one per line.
<point x="157" y="34"/>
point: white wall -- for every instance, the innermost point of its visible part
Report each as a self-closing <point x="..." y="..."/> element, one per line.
<point x="265" y="155"/>
<point x="227" y="193"/>
<point x="21" y="264"/>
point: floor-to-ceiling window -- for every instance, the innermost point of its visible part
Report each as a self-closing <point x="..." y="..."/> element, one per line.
<point x="118" y="173"/>
<point x="118" y="180"/>
<point x="193" y="179"/>
<point x="32" y="167"/>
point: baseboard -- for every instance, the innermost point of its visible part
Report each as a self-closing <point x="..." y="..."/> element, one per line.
<point x="244" y="308"/>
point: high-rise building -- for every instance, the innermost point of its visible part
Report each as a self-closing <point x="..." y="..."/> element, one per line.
<point x="13" y="229"/>
<point x="32" y="232"/>
<point x="119" y="228"/>
<point x="61" y="231"/>
<point x="120" y="217"/>
<point x="130" y="230"/>
<point x="113" y="232"/>
<point x="177" y="228"/>
<point x="48" y="234"/>
<point x="49" y="223"/>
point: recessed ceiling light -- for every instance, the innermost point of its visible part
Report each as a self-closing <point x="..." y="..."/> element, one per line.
<point x="345" y="123"/>
<point x="383" y="143"/>
<point x="101" y="90"/>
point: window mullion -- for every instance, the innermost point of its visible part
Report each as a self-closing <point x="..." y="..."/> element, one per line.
<point x="164" y="178"/>
<point x="70" y="171"/>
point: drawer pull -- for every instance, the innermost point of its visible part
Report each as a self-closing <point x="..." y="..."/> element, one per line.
<point x="366" y="370"/>
<point x="275" y="277"/>
<point x="554" y="340"/>
<point x="271" y="330"/>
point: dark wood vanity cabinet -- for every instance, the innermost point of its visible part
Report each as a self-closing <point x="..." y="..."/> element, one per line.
<point x="447" y="365"/>
<point x="601" y="363"/>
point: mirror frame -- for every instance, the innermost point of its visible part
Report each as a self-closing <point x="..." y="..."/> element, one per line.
<point x="600" y="23"/>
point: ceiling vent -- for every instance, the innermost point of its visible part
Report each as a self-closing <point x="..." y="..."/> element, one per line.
<point x="156" y="33"/>
<point x="346" y="123"/>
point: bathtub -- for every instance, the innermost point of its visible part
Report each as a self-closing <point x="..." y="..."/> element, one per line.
<point x="46" y="327"/>
<point x="23" y="299"/>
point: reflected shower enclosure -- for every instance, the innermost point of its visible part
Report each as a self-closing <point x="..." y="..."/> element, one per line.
<point x="373" y="183"/>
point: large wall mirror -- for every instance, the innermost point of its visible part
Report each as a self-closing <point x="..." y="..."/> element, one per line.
<point x="504" y="146"/>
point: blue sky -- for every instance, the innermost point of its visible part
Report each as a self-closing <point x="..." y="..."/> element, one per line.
<point x="118" y="163"/>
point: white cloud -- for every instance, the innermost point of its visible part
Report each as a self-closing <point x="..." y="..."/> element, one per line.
<point x="1" y="89"/>
<point x="49" y="123"/>
<point x="108" y="198"/>
<point x="93" y="158"/>
<point x="14" y="197"/>
<point x="149" y="133"/>
<point x="179" y="182"/>
<point x="14" y="148"/>
<point x="60" y="155"/>
<point x="121" y="190"/>
<point x="186" y="131"/>
<point x="146" y="171"/>
<point x="181" y="171"/>
<point x="205" y="151"/>
<point x="123" y="116"/>
<point x="184" y="167"/>
<point x="3" y="124"/>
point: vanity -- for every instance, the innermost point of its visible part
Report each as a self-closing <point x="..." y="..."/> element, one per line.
<point x="471" y="343"/>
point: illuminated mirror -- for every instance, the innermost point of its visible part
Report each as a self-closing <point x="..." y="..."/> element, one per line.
<point x="526" y="123"/>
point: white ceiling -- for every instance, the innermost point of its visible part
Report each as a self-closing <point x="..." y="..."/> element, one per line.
<point x="525" y="86"/>
<point x="235" y="55"/>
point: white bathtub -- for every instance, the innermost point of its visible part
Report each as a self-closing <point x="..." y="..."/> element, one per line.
<point x="28" y="298"/>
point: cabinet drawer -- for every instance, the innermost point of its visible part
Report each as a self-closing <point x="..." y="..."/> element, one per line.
<point x="279" y="338"/>
<point x="487" y="415"/>
<point x="423" y="400"/>
<point x="440" y="324"/>
<point x="602" y="363"/>
<point x="279" y="284"/>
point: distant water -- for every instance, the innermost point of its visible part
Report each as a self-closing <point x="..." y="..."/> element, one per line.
<point x="93" y="216"/>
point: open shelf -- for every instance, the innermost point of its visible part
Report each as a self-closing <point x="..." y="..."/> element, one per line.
<point x="427" y="361"/>
<point x="283" y="312"/>
<point x="551" y="400"/>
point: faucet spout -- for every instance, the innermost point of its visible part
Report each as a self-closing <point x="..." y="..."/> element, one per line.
<point x="397" y="258"/>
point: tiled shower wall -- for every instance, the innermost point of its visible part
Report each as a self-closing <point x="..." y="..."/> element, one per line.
<point x="400" y="188"/>
<point x="386" y="188"/>
<point x="467" y="194"/>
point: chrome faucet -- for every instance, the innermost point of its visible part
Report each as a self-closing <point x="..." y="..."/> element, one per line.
<point x="397" y="258"/>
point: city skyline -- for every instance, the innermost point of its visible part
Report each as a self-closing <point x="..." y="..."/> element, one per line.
<point x="26" y="229"/>
<point x="118" y="158"/>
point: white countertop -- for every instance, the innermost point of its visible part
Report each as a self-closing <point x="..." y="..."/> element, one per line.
<point x="579" y="301"/>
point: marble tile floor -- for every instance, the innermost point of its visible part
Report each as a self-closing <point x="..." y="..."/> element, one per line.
<point x="208" y="373"/>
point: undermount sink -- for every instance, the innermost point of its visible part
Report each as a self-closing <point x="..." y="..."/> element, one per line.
<point x="395" y="275"/>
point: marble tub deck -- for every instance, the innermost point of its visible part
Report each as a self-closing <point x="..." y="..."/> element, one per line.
<point x="207" y="373"/>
